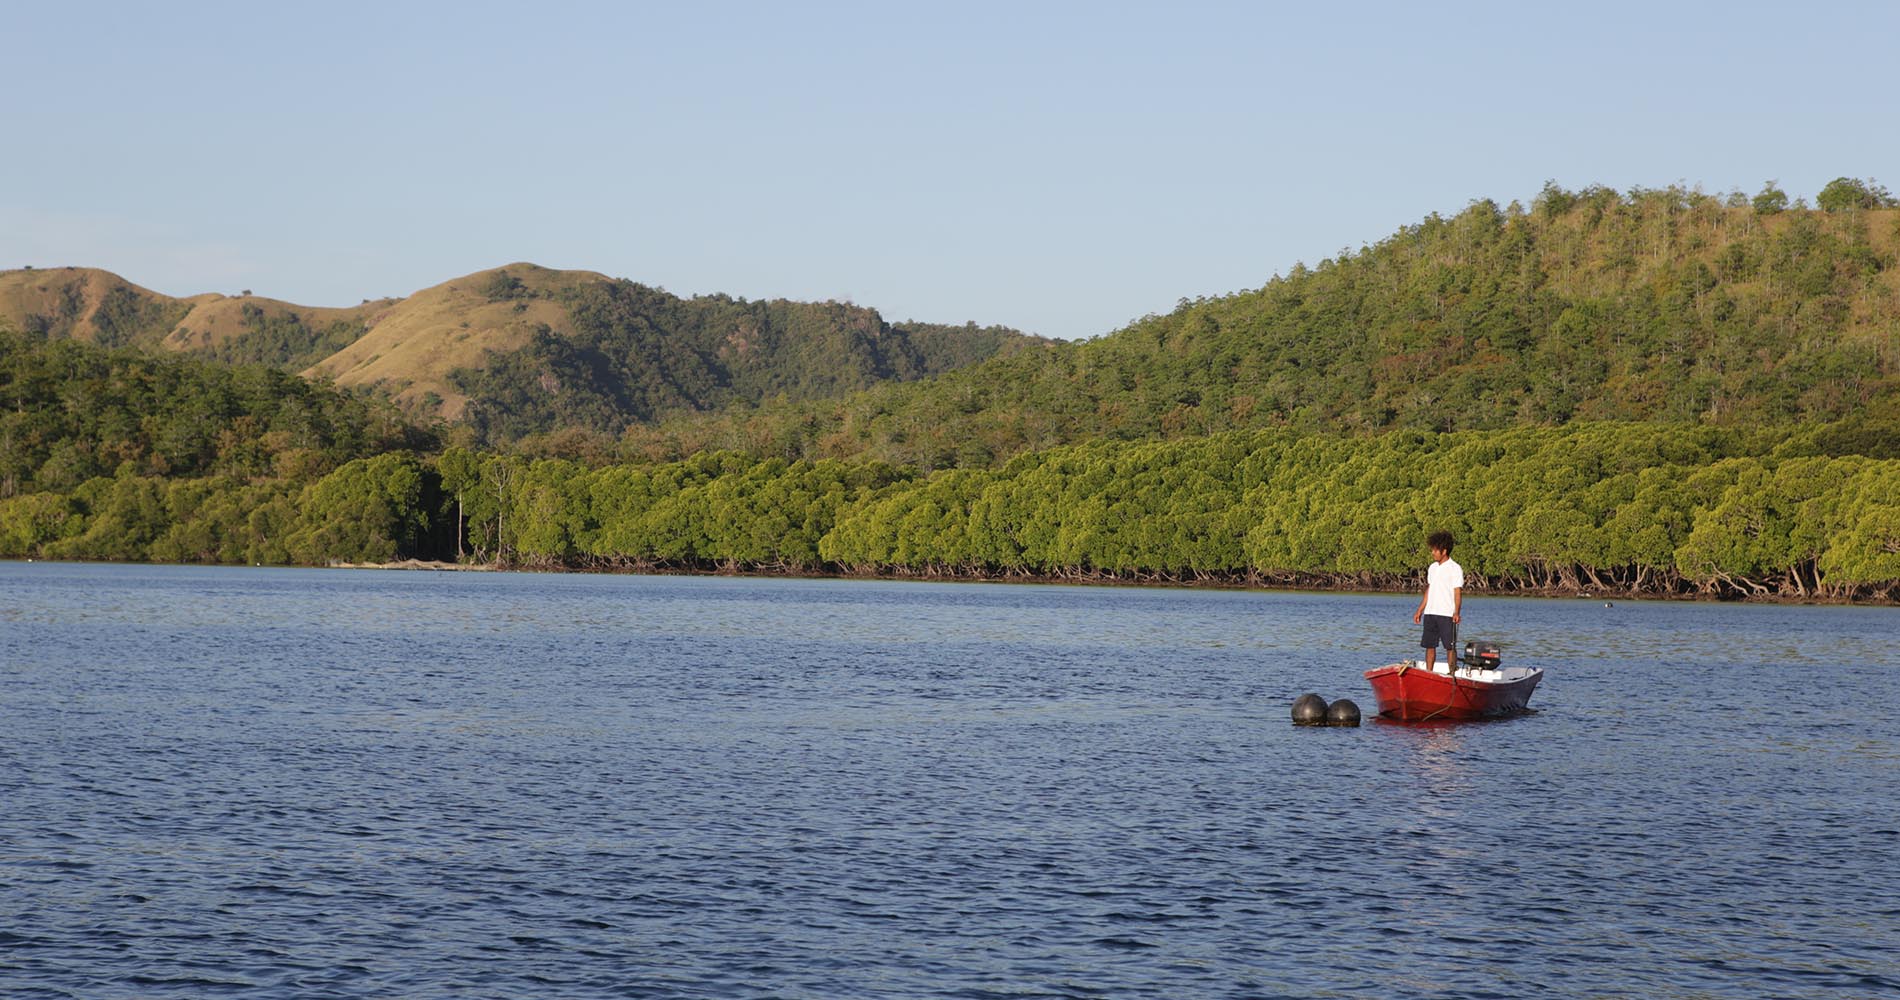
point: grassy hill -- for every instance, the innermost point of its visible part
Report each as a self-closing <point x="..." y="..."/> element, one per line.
<point x="1657" y="305"/>
<point x="415" y="346"/>
<point x="84" y="303"/>
<point x="99" y="307"/>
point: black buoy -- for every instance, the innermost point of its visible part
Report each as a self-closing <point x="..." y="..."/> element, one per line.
<point x="1309" y="710"/>
<point x="1342" y="713"/>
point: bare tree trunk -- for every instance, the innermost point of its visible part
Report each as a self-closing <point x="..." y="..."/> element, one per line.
<point x="503" y="476"/>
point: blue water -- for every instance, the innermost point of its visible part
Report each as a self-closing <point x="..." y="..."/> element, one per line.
<point x="311" y="783"/>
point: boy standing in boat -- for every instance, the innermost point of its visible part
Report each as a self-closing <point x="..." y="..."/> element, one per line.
<point x="1441" y="608"/>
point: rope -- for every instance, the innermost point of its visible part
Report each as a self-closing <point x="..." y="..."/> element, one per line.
<point x="1452" y="675"/>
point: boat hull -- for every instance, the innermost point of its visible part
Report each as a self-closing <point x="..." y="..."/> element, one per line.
<point x="1409" y="693"/>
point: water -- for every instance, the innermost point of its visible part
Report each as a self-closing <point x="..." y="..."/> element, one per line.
<point x="284" y="783"/>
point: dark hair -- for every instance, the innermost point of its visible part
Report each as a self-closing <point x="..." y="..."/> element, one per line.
<point x="1439" y="540"/>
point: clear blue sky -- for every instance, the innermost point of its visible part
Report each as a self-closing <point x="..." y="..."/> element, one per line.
<point x="1058" y="167"/>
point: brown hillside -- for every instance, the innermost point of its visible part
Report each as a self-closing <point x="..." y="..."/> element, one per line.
<point x="85" y="303"/>
<point x="412" y="347"/>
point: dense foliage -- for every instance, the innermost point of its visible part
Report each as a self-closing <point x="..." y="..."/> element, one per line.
<point x="1613" y="507"/>
<point x="636" y="352"/>
<point x="1664" y="305"/>
<point x="72" y="412"/>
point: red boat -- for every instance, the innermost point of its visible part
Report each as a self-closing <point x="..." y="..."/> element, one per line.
<point x="1408" y="692"/>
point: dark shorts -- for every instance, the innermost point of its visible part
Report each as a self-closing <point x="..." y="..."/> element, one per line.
<point x="1440" y="630"/>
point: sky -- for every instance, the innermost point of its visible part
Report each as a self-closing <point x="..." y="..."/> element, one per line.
<point x="1060" y="168"/>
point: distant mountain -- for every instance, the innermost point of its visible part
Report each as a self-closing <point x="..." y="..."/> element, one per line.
<point x="88" y="304"/>
<point x="519" y="349"/>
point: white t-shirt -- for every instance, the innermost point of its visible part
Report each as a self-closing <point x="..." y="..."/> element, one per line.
<point x="1441" y="578"/>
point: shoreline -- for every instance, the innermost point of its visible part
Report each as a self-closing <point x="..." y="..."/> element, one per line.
<point x="1310" y="585"/>
<point x="1158" y="581"/>
<point x="420" y="564"/>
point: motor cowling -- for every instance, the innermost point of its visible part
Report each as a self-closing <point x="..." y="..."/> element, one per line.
<point x="1481" y="655"/>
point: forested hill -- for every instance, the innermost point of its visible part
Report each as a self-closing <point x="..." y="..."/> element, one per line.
<point x="518" y="349"/>
<point x="621" y="353"/>
<point x="1666" y="305"/>
<point x="72" y="411"/>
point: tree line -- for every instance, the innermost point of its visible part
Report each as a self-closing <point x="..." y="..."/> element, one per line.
<point x="1627" y="508"/>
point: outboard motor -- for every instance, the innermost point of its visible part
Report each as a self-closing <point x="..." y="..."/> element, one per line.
<point x="1481" y="655"/>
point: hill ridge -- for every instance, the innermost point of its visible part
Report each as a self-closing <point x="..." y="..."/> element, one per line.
<point x="432" y="350"/>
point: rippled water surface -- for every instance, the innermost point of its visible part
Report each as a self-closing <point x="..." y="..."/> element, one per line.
<point x="281" y="783"/>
